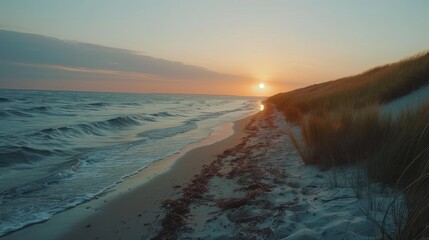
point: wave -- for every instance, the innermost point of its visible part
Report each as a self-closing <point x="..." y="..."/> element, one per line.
<point x="99" y="128"/>
<point x="11" y="155"/>
<point x="108" y="125"/>
<point x="211" y="115"/>
<point x="98" y="104"/>
<point x="3" y="99"/>
<point x="38" y="109"/>
<point x="149" y="119"/>
<point x="40" y="183"/>
<point x="118" y="122"/>
<point x="169" y="132"/>
<point x="27" y="112"/>
<point x="185" y="127"/>
<point x="69" y="147"/>
<point x="163" y="114"/>
<point x="17" y="113"/>
<point x="94" y="128"/>
<point x="87" y="106"/>
<point x="68" y="132"/>
<point x="131" y="104"/>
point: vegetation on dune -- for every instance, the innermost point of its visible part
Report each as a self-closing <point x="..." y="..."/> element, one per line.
<point x="373" y="87"/>
<point x="341" y="123"/>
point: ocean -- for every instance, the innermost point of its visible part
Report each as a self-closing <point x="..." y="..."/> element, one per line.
<point x="59" y="149"/>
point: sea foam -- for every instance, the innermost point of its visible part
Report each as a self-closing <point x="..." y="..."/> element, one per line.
<point x="59" y="149"/>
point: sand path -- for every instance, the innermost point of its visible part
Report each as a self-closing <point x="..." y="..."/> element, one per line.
<point x="263" y="191"/>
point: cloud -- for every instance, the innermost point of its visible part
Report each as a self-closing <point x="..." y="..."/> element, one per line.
<point x="11" y="27"/>
<point x="38" y="62"/>
<point x="103" y="73"/>
<point x="36" y="49"/>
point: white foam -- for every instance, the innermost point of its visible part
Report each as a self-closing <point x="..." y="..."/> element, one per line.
<point x="101" y="162"/>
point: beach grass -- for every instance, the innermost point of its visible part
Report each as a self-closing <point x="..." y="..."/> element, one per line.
<point x="341" y="123"/>
<point x="376" y="86"/>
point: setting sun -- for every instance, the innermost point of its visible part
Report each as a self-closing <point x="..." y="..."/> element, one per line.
<point x="261" y="85"/>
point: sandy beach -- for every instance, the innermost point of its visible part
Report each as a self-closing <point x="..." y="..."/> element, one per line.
<point x="132" y="209"/>
<point x="260" y="189"/>
<point x="258" y="120"/>
<point x="251" y="185"/>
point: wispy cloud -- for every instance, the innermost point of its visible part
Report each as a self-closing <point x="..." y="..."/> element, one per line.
<point x="36" y="49"/>
<point x="38" y="62"/>
<point x="13" y="27"/>
<point x="106" y="72"/>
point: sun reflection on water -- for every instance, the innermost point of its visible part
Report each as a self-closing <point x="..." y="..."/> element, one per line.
<point x="261" y="107"/>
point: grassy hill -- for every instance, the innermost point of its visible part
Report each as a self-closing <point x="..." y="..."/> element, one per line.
<point x="376" y="86"/>
<point x="341" y="123"/>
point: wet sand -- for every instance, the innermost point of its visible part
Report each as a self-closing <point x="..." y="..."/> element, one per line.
<point x="252" y="185"/>
<point x="133" y="209"/>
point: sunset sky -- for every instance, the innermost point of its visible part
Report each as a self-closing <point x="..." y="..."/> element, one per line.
<point x="285" y="44"/>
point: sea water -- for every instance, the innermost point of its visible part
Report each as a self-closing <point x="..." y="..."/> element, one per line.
<point x="59" y="149"/>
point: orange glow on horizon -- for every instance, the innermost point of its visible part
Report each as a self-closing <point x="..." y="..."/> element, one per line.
<point x="105" y="80"/>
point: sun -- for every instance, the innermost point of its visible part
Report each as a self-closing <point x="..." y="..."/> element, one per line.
<point x="261" y="85"/>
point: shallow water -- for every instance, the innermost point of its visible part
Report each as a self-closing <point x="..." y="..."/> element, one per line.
<point x="59" y="149"/>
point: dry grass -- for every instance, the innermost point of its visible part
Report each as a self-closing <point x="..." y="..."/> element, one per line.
<point x="343" y="136"/>
<point x="340" y="124"/>
<point x="403" y="160"/>
<point x="376" y="86"/>
<point x="403" y="155"/>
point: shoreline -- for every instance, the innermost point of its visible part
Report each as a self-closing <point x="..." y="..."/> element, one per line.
<point x="128" y="201"/>
<point x="251" y="185"/>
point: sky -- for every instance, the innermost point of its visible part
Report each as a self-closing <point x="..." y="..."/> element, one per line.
<point x="285" y="44"/>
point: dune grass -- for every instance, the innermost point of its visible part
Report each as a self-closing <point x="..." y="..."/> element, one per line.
<point x="376" y="86"/>
<point x="342" y="136"/>
<point x="341" y="123"/>
<point x="403" y="161"/>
